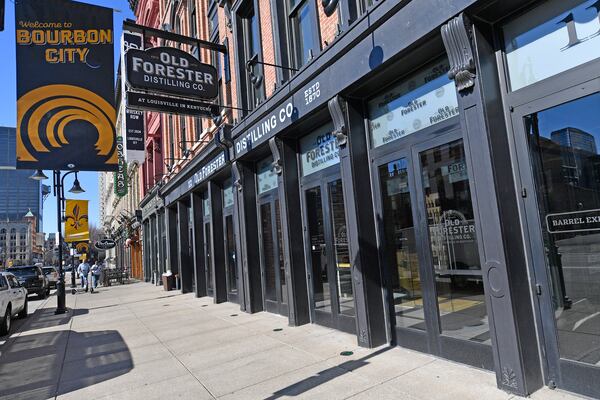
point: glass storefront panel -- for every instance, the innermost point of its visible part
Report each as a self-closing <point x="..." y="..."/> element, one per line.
<point x="268" y="249"/>
<point x="231" y="267"/>
<point x="453" y="243"/>
<point x="228" y="194"/>
<point x="207" y="255"/>
<point x="343" y="264"/>
<point x="206" y="205"/>
<point x="282" y="285"/>
<point x="564" y="31"/>
<point x="265" y="176"/>
<point x="318" y="254"/>
<point x="419" y="101"/>
<point x="318" y="151"/>
<point x="400" y="245"/>
<point x="563" y="143"/>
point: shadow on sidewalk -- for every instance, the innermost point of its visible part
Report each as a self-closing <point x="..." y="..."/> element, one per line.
<point x="38" y="366"/>
<point x="324" y="376"/>
<point x="45" y="318"/>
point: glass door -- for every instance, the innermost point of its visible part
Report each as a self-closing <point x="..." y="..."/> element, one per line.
<point x="274" y="283"/>
<point x="434" y="282"/>
<point x="329" y="264"/>
<point x="400" y="252"/>
<point x="208" y="258"/>
<point x="232" y="276"/>
<point x="559" y="138"/>
<point x="452" y="254"/>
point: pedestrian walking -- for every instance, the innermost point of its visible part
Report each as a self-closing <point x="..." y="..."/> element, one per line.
<point x="84" y="270"/>
<point x="95" y="271"/>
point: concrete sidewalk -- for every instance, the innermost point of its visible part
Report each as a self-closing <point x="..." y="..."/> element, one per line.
<point x="139" y="342"/>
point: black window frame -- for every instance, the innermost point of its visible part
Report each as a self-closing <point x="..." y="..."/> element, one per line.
<point x="171" y="134"/>
<point x="294" y="41"/>
<point x="249" y="95"/>
<point x="193" y="25"/>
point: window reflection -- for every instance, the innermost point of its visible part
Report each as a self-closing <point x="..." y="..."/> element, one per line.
<point x="566" y="166"/>
<point x="268" y="251"/>
<point x="400" y="247"/>
<point x="343" y="265"/>
<point x="318" y="253"/>
<point x="453" y="243"/>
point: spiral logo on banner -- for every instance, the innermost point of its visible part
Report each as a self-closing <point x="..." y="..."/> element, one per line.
<point x="82" y="247"/>
<point x="44" y="114"/>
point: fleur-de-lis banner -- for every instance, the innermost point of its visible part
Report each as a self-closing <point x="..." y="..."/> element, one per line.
<point x="76" y="221"/>
<point x="65" y="86"/>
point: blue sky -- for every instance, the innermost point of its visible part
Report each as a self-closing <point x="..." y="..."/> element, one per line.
<point x="8" y="101"/>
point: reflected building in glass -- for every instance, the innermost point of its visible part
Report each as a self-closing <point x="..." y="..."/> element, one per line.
<point x="19" y="193"/>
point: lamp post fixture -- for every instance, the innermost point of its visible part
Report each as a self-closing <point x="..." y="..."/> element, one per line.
<point x="59" y="192"/>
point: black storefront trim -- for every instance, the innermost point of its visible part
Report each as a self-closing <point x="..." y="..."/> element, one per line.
<point x="355" y="55"/>
<point x="202" y="171"/>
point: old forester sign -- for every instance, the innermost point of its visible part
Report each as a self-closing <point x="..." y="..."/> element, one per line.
<point x="172" y="71"/>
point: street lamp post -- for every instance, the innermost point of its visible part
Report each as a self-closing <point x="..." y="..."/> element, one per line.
<point x="59" y="192"/>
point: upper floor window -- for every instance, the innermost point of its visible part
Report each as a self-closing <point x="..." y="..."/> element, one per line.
<point x="213" y="20"/>
<point x="250" y="49"/>
<point x="193" y="25"/>
<point x="197" y="128"/>
<point x="304" y="31"/>
<point x="183" y="128"/>
<point x="349" y="11"/>
<point x="171" y="138"/>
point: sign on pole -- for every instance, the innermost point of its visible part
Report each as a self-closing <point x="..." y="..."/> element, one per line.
<point x="171" y="71"/>
<point x="65" y="86"/>
<point x="121" y="173"/>
<point x="133" y="120"/>
<point x="152" y="102"/>
<point x="76" y="221"/>
<point x="105" y="244"/>
<point x="82" y="247"/>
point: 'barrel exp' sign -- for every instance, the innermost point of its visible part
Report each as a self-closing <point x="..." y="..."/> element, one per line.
<point x="170" y="70"/>
<point x="577" y="221"/>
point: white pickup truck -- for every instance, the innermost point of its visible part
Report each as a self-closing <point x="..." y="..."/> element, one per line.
<point x="13" y="301"/>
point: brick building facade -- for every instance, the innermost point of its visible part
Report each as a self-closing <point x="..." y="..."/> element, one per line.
<point x="394" y="169"/>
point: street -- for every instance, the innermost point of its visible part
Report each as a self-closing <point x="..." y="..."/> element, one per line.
<point x="137" y="341"/>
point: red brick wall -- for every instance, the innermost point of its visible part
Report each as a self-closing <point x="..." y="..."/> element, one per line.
<point x="328" y="25"/>
<point x="268" y="50"/>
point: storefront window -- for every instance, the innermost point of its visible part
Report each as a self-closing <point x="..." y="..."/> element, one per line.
<point x="563" y="143"/>
<point x="268" y="248"/>
<point x="453" y="243"/>
<point x="230" y="248"/>
<point x="565" y="32"/>
<point x="419" y="101"/>
<point x="318" y="151"/>
<point x="318" y="254"/>
<point x="343" y="265"/>
<point x="228" y="194"/>
<point x="266" y="177"/>
<point x="284" y="294"/>
<point x="206" y="205"/>
<point x="400" y="245"/>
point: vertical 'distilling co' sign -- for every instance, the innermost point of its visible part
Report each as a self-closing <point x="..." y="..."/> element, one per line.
<point x="121" y="173"/>
<point x="65" y="86"/>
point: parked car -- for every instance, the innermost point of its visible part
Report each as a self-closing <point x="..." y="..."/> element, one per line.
<point x="13" y="301"/>
<point x="52" y="275"/>
<point x="33" y="279"/>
